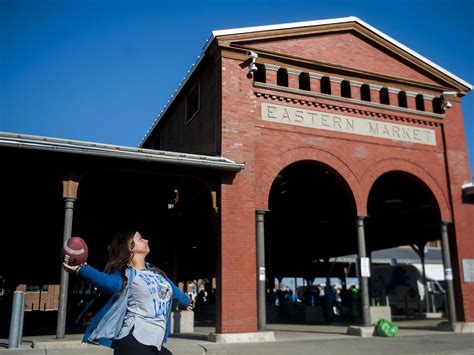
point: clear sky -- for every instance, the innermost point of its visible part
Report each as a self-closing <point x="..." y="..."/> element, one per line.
<point x="102" y="70"/>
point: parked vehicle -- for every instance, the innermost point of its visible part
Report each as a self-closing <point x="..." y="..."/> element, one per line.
<point x="403" y="285"/>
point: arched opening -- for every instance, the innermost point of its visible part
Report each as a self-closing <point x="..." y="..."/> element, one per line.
<point x="325" y="85"/>
<point x="365" y="92"/>
<point x="311" y="220"/>
<point x="346" y="89"/>
<point x="282" y="77"/>
<point x="402" y="99"/>
<point x="437" y="105"/>
<point x="260" y="74"/>
<point x="420" y="102"/>
<point x="384" y="96"/>
<point x="404" y="222"/>
<point x="304" y="81"/>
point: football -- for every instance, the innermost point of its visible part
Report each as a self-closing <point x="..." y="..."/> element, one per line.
<point x="75" y="251"/>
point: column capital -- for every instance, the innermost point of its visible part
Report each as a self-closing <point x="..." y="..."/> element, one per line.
<point x="362" y="216"/>
<point x="70" y="189"/>
<point x="261" y="210"/>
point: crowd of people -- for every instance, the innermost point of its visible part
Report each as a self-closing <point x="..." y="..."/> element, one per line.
<point x="338" y="302"/>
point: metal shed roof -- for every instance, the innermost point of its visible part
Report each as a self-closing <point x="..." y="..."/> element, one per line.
<point x="22" y="141"/>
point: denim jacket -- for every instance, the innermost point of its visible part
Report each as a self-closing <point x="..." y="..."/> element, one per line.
<point x="106" y="325"/>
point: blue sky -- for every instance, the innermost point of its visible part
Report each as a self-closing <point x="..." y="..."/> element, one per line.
<point x="102" y="70"/>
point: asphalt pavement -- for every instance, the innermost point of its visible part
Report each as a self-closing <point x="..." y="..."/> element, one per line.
<point x="415" y="337"/>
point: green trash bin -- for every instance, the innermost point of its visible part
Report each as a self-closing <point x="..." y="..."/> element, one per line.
<point x="385" y="328"/>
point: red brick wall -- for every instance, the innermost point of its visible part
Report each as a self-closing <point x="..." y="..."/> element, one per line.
<point x="462" y="233"/>
<point x="238" y="245"/>
<point x="348" y="50"/>
<point x="267" y="148"/>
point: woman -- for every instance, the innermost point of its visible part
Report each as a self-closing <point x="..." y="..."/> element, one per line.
<point x="136" y="317"/>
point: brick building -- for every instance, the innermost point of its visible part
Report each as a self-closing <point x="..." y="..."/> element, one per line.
<point x="351" y="142"/>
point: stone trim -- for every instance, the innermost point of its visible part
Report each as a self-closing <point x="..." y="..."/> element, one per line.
<point x="412" y="93"/>
<point x="335" y="80"/>
<point x="312" y="94"/>
<point x="316" y="76"/>
<point x="394" y="91"/>
<point x="271" y="67"/>
<point x="355" y="83"/>
<point x="375" y="87"/>
<point x="294" y="71"/>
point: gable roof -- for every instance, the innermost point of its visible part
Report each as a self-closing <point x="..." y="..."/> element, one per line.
<point x="389" y="39"/>
<point x="294" y="25"/>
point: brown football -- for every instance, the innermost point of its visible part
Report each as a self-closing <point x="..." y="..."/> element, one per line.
<point x="76" y="249"/>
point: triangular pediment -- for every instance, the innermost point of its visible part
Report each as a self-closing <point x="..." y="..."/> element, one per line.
<point x="348" y="50"/>
<point x="351" y="45"/>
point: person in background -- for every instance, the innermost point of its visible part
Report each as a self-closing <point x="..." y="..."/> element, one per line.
<point x="136" y="317"/>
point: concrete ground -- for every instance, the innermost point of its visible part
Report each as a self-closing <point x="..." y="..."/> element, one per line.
<point x="415" y="337"/>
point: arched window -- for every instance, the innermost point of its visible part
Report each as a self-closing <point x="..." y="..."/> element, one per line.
<point x="365" y="92"/>
<point x="384" y="97"/>
<point x="260" y="74"/>
<point x="420" y="102"/>
<point x="402" y="99"/>
<point x="437" y="105"/>
<point x="325" y="85"/>
<point x="282" y="77"/>
<point x="346" y="89"/>
<point x="304" y="81"/>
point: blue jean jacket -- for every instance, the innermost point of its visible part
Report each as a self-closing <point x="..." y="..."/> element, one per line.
<point x="106" y="325"/>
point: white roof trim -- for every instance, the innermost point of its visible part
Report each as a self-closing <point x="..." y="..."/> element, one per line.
<point x="287" y="26"/>
<point x="283" y="26"/>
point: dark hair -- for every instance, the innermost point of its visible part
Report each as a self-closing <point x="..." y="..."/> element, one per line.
<point x="120" y="254"/>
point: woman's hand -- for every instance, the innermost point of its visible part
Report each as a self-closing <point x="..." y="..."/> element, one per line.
<point x="71" y="269"/>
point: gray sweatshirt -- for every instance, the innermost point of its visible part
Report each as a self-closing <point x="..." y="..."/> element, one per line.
<point x="149" y="300"/>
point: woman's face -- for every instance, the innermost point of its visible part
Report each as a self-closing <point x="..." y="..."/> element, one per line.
<point x="140" y="245"/>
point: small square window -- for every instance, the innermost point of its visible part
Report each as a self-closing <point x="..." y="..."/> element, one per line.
<point x="192" y="102"/>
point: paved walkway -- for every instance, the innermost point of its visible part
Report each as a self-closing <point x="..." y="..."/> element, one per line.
<point x="415" y="337"/>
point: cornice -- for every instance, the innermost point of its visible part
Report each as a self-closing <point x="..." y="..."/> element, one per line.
<point x="397" y="111"/>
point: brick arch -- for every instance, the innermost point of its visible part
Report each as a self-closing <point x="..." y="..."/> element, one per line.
<point x="274" y="165"/>
<point x="391" y="165"/>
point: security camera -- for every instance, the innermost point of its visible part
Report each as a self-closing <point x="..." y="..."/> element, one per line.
<point x="252" y="68"/>
<point x="445" y="104"/>
<point x="252" y="54"/>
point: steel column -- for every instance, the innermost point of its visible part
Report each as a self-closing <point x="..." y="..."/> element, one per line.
<point x="363" y="280"/>
<point x="61" y="323"/>
<point x="448" y="272"/>
<point x="261" y="275"/>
